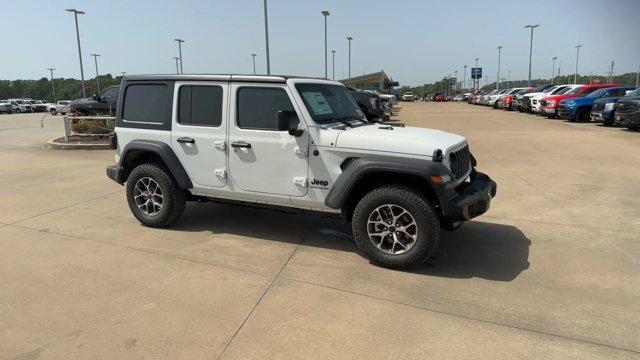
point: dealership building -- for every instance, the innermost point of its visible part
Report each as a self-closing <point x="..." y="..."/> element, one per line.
<point x="375" y="81"/>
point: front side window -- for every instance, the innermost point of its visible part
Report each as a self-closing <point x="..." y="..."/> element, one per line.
<point x="147" y="103"/>
<point x="110" y="94"/>
<point x="258" y="107"/>
<point x="200" y="105"/>
<point x="329" y="103"/>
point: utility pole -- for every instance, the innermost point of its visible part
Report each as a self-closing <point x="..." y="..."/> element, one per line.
<point x="531" y="48"/>
<point x="476" y="82"/>
<point x="553" y="68"/>
<point x="177" y="59"/>
<point x="53" y="87"/>
<point x="253" y="57"/>
<point x="455" y="86"/>
<point x="333" y="61"/>
<point x="559" y="64"/>
<point x="611" y="73"/>
<point x="591" y="78"/>
<point x="266" y="36"/>
<point x="349" y="38"/>
<point x="464" y="83"/>
<point x="638" y="77"/>
<point x="509" y="79"/>
<point x="498" y="76"/>
<point x="95" y="58"/>
<point x="123" y="74"/>
<point x="325" y="14"/>
<point x="575" y="76"/>
<point x="180" y="41"/>
<point x="75" y="15"/>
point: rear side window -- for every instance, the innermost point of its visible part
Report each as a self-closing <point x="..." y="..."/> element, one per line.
<point x="149" y="103"/>
<point x="200" y="105"/>
<point x="258" y="107"/>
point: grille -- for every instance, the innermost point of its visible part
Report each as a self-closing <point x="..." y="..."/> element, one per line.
<point x="460" y="162"/>
<point x="527" y="101"/>
<point x="627" y="107"/>
<point x="598" y="107"/>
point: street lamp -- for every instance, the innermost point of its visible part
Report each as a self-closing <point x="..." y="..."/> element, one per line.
<point x="333" y="61"/>
<point x="464" y="83"/>
<point x="455" y="86"/>
<point x="177" y="59"/>
<point x="52" y="85"/>
<point x="553" y="68"/>
<point x="266" y="36"/>
<point x="95" y="58"/>
<point x="477" y="80"/>
<point x="325" y="13"/>
<point x="498" y="76"/>
<point x="575" y="76"/>
<point x="253" y="57"/>
<point x="531" y="48"/>
<point x="75" y="15"/>
<point x="349" y="38"/>
<point x="180" y="41"/>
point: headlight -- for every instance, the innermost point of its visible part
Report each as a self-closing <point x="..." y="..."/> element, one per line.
<point x="609" y="106"/>
<point x="570" y="103"/>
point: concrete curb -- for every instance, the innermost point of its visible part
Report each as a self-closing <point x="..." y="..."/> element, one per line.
<point x="52" y="144"/>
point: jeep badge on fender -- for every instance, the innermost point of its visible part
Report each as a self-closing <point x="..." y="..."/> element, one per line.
<point x="173" y="139"/>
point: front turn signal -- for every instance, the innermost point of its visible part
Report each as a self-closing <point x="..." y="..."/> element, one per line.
<point x="439" y="179"/>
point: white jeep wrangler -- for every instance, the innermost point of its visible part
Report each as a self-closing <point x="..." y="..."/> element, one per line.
<point x="295" y="143"/>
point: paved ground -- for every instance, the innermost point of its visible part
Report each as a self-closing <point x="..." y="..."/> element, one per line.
<point x="552" y="271"/>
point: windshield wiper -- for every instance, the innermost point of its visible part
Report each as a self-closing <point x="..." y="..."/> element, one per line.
<point x="343" y="119"/>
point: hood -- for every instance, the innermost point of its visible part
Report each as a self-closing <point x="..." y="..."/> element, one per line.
<point x="402" y="140"/>
<point x="561" y="97"/>
<point x="607" y="100"/>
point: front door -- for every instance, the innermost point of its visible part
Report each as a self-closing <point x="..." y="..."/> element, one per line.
<point x="199" y="131"/>
<point x="261" y="158"/>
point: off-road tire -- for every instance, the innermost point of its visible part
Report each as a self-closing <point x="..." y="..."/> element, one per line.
<point x="633" y="128"/>
<point x="582" y="115"/>
<point x="426" y="218"/>
<point x="174" y="198"/>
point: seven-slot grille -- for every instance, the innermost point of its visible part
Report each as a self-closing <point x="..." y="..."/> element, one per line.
<point x="627" y="107"/>
<point x="598" y="106"/>
<point x="460" y="162"/>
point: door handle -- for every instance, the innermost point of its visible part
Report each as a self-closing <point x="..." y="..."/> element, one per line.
<point x="240" y="144"/>
<point x="186" y="140"/>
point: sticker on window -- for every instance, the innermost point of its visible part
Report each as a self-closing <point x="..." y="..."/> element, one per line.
<point x="318" y="103"/>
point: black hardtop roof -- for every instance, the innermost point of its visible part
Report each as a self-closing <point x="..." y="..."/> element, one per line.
<point x="217" y="77"/>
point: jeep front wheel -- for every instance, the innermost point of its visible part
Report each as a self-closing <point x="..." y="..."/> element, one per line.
<point x="395" y="227"/>
<point x="155" y="199"/>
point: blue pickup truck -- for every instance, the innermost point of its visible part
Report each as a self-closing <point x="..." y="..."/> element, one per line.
<point x="580" y="108"/>
<point x="604" y="110"/>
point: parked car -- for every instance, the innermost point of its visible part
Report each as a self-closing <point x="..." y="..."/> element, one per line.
<point x="604" y="109"/>
<point x="59" y="107"/>
<point x="549" y="105"/>
<point x="525" y="106"/>
<point x="293" y="143"/>
<point x="38" y="105"/>
<point x="439" y="97"/>
<point x="492" y="99"/>
<point x="388" y="100"/>
<point x="23" y="105"/>
<point x="6" y="107"/>
<point x="531" y="101"/>
<point x="408" y="96"/>
<point x="536" y="101"/>
<point x="370" y="104"/>
<point x="579" y="109"/>
<point x="628" y="111"/>
<point x="103" y="103"/>
<point x="508" y="95"/>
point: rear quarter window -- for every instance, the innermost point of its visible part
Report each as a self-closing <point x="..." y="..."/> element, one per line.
<point x="147" y="103"/>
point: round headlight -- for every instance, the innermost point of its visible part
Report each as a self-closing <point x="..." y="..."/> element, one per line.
<point x="609" y="106"/>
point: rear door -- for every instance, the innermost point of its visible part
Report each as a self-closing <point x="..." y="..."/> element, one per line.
<point x="198" y="135"/>
<point x="261" y="158"/>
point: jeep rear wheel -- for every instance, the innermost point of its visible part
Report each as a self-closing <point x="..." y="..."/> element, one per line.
<point x="395" y="227"/>
<point x="155" y="199"/>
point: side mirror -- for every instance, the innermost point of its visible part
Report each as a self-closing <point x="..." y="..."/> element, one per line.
<point x="288" y="121"/>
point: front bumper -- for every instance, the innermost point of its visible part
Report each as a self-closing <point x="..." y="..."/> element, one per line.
<point x="548" y="111"/>
<point x="630" y="119"/>
<point x="566" y="113"/>
<point x="115" y="173"/>
<point x="469" y="199"/>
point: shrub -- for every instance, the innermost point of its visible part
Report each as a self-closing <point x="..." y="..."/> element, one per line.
<point x="93" y="126"/>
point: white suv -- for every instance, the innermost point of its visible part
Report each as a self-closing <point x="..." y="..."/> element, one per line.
<point x="408" y="96"/>
<point x="295" y="143"/>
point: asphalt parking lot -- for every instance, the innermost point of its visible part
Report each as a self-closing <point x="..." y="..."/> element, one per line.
<point x="551" y="271"/>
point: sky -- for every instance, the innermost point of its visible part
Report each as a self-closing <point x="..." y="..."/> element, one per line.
<point x="413" y="41"/>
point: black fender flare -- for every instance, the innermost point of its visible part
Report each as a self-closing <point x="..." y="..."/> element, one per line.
<point x="358" y="168"/>
<point x="167" y="155"/>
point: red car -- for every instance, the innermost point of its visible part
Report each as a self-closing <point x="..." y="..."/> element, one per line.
<point x="441" y="97"/>
<point x="549" y="104"/>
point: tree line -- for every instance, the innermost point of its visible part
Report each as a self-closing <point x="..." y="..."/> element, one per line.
<point x="65" y="89"/>
<point x="628" y="79"/>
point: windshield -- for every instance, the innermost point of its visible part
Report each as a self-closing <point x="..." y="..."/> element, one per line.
<point x="598" y="93"/>
<point x="329" y="103"/>
<point x="574" y="91"/>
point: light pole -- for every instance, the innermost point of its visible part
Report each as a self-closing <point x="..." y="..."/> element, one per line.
<point x="464" y="83"/>
<point x="53" y="87"/>
<point x="530" y="49"/>
<point x="95" y="59"/>
<point x="455" y="89"/>
<point x="575" y="76"/>
<point x="75" y="15"/>
<point x="509" y="79"/>
<point x="333" y="63"/>
<point x="266" y="36"/>
<point x="559" y="65"/>
<point x="477" y="80"/>
<point x="123" y="74"/>
<point x="325" y="14"/>
<point x="498" y="76"/>
<point x="177" y="59"/>
<point x="638" y="77"/>
<point x="180" y="41"/>
<point x="349" y="38"/>
<point x="253" y="57"/>
<point x="553" y="68"/>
